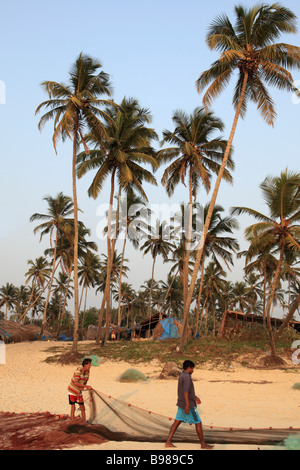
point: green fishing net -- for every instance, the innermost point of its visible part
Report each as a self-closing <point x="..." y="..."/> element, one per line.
<point x="132" y="375"/>
<point x="292" y="442"/>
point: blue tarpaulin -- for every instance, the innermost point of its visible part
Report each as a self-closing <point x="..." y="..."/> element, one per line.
<point x="170" y="329"/>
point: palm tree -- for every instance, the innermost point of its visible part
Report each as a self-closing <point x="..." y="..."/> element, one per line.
<point x="157" y="244"/>
<point x="214" y="279"/>
<point x="170" y="293"/>
<point x="281" y="228"/>
<point x="22" y="297"/>
<point x="73" y="107"/>
<point x="117" y="269"/>
<point x="133" y="223"/>
<point x="57" y="221"/>
<point x="8" y="297"/>
<point x="88" y="271"/>
<point x="253" y="289"/>
<point x="38" y="272"/>
<point x="65" y="253"/>
<point x="126" y="298"/>
<point x="264" y="262"/>
<point x="249" y="48"/>
<point x="125" y="149"/>
<point x="217" y="245"/>
<point x="290" y="271"/>
<point x="196" y="154"/>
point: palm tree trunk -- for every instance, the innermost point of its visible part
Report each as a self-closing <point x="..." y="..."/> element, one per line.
<point x="168" y="291"/>
<point x="105" y="299"/>
<point x="22" y="319"/>
<point x="288" y="318"/>
<point x="199" y="295"/>
<point x="50" y="285"/>
<point x="60" y="320"/>
<point x="265" y="290"/>
<point x="37" y="298"/>
<point x="75" y="264"/>
<point x="209" y="215"/>
<point x="271" y="298"/>
<point x="151" y="285"/>
<point x="120" y="282"/>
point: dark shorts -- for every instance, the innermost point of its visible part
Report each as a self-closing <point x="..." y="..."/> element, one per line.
<point x="73" y="399"/>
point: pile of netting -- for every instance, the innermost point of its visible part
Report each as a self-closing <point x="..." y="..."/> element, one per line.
<point x="121" y="421"/>
<point x="41" y="431"/>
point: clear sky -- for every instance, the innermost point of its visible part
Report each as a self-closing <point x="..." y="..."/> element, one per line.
<point x="154" y="51"/>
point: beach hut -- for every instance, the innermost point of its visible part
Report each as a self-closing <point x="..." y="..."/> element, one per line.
<point x="169" y="328"/>
<point x="12" y="332"/>
<point x="146" y="327"/>
<point x="232" y="319"/>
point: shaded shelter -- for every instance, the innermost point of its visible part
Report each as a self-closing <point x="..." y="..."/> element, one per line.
<point x="232" y="319"/>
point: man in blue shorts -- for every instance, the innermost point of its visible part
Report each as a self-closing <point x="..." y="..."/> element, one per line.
<point x="187" y="405"/>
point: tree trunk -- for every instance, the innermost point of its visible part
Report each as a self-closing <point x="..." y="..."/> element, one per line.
<point x="199" y="296"/>
<point x="271" y="299"/>
<point x="75" y="263"/>
<point x="209" y="215"/>
<point x="288" y="318"/>
<point x="110" y="252"/>
<point x="50" y="285"/>
<point x="60" y="320"/>
<point x="120" y="282"/>
<point x="188" y="249"/>
<point x="151" y="285"/>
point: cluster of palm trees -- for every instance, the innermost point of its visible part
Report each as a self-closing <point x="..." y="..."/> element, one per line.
<point x="118" y="143"/>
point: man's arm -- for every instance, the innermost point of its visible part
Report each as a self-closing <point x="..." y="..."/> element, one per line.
<point x="187" y="403"/>
<point x="81" y="386"/>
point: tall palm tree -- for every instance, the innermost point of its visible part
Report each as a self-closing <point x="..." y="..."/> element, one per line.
<point x="249" y="48"/>
<point x="197" y="154"/>
<point x="57" y="222"/>
<point x="281" y="228"/>
<point x="75" y="106"/>
<point x="122" y="154"/>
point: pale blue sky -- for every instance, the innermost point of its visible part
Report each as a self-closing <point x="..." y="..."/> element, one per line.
<point x="154" y="51"/>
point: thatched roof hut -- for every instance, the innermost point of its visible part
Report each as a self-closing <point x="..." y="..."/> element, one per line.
<point x="12" y="332"/>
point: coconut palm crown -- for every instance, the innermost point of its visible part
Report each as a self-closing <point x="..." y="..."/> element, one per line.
<point x="248" y="47"/>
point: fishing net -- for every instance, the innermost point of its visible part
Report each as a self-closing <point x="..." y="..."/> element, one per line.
<point x="121" y="421"/>
<point x="292" y="442"/>
<point x="132" y="375"/>
<point x="41" y="431"/>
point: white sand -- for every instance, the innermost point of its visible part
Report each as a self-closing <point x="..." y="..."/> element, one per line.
<point x="28" y="384"/>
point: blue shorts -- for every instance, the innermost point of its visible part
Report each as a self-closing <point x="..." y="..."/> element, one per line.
<point x="192" y="418"/>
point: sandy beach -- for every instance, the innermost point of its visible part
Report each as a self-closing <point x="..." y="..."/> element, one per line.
<point x="237" y="396"/>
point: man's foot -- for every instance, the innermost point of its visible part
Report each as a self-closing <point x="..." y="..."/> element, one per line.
<point x="169" y="444"/>
<point x="206" y="446"/>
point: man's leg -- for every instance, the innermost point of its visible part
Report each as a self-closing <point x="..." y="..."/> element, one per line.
<point x="72" y="411"/>
<point x="82" y="409"/>
<point x="173" y="429"/>
<point x="201" y="437"/>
